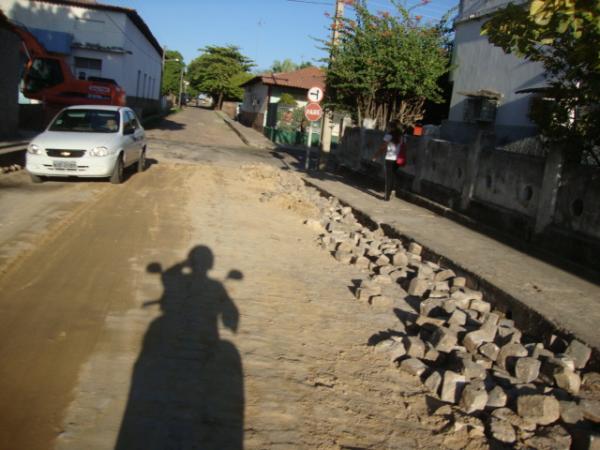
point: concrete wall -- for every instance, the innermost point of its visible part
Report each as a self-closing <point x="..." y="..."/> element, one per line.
<point x="509" y="180"/>
<point x="578" y="201"/>
<point x="532" y="198"/>
<point x="127" y="56"/>
<point x="230" y="108"/>
<point x="9" y="83"/>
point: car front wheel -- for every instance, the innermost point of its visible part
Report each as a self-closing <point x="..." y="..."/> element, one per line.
<point x="36" y="178"/>
<point x="117" y="175"/>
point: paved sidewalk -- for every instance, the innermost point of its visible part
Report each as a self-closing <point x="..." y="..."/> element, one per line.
<point x="538" y="295"/>
<point x="248" y="135"/>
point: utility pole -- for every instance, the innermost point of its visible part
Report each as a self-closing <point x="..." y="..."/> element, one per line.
<point x="181" y="84"/>
<point x="328" y="115"/>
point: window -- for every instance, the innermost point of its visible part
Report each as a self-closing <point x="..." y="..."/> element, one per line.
<point x="137" y="86"/>
<point x="87" y="121"/>
<point x="88" y="63"/>
<point x="44" y="73"/>
<point x="87" y="67"/>
<point x="132" y="120"/>
<point x="480" y="109"/>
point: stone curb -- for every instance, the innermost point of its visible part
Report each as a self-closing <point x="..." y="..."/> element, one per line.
<point x="237" y="131"/>
<point x="529" y="320"/>
<point x="227" y="120"/>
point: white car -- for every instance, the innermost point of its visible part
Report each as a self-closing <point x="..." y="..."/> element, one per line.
<point x="88" y="141"/>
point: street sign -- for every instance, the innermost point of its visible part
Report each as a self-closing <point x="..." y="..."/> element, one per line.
<point x="313" y="112"/>
<point x="315" y="94"/>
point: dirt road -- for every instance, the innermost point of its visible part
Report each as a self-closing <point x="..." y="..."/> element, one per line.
<point x="180" y="311"/>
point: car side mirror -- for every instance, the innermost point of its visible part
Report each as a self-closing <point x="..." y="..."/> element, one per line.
<point x="128" y="130"/>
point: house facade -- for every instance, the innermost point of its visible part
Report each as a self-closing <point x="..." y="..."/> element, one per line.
<point x="263" y="92"/>
<point x="489" y="86"/>
<point x="98" y="40"/>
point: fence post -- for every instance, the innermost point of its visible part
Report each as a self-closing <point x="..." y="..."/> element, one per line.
<point x="553" y="170"/>
<point x="482" y="139"/>
<point x="422" y="156"/>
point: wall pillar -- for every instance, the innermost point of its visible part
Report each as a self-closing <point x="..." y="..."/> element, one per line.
<point x="483" y="139"/>
<point x="549" y="191"/>
<point x="422" y="156"/>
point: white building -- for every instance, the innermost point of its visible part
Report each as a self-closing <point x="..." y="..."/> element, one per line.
<point x="488" y="84"/>
<point x="98" y="40"/>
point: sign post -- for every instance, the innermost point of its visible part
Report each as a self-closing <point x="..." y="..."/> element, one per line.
<point x="313" y="113"/>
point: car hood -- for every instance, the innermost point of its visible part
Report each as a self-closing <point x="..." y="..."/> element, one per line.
<point x="76" y="141"/>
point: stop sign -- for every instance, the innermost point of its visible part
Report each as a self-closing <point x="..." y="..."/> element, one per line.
<point x="313" y="112"/>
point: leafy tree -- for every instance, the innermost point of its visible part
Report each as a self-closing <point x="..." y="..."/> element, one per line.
<point x="287" y="99"/>
<point x="236" y="92"/>
<point x="563" y="35"/>
<point x="287" y="65"/>
<point x="385" y="66"/>
<point x="172" y="73"/>
<point x="219" y="71"/>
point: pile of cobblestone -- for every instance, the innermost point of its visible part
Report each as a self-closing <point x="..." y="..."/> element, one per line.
<point x="521" y="392"/>
<point x="489" y="377"/>
<point x="11" y="168"/>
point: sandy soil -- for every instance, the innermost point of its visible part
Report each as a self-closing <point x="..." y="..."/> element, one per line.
<point x="181" y="310"/>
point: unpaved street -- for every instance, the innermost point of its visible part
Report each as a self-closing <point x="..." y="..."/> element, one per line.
<point x="181" y="310"/>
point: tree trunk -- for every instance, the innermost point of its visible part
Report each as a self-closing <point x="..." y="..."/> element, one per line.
<point x="220" y="101"/>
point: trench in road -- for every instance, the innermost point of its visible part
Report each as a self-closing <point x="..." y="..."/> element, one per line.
<point x="74" y="329"/>
<point x="297" y="366"/>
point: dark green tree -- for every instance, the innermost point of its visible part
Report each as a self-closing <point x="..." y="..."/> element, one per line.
<point x="563" y="35"/>
<point x="385" y="66"/>
<point x="219" y="71"/>
<point x="174" y="64"/>
<point x="305" y="64"/>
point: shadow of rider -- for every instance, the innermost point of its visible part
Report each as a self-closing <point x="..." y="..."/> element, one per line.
<point x="187" y="384"/>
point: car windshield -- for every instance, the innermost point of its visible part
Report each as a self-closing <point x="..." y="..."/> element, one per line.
<point x="86" y="121"/>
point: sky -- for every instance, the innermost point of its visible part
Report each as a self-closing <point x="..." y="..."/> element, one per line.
<point x="265" y="30"/>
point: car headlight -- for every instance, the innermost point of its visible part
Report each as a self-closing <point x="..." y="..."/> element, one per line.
<point x="34" y="149"/>
<point x="99" y="151"/>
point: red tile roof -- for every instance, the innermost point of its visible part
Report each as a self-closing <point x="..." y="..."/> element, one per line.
<point x="301" y="79"/>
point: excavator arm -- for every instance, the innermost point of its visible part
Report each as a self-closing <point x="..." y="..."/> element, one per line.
<point x="48" y="77"/>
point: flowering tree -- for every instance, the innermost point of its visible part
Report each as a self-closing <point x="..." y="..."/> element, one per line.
<point x="384" y="66"/>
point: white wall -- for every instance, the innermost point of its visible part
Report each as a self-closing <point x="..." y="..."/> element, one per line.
<point x="476" y="8"/>
<point x="127" y="50"/>
<point x="481" y="66"/>
<point x="142" y="56"/>
<point x="255" y="98"/>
